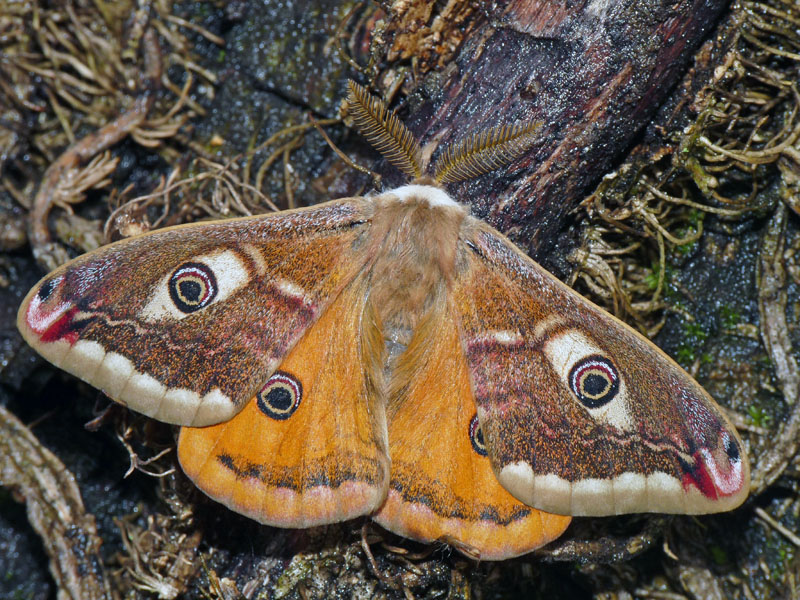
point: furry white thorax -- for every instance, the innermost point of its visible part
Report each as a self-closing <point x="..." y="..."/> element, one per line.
<point x="434" y="195"/>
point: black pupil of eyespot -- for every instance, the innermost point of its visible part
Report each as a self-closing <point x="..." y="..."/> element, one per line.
<point x="595" y="385"/>
<point x="280" y="399"/>
<point x="476" y="437"/>
<point x="191" y="291"/>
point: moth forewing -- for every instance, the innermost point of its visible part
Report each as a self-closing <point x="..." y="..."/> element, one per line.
<point x="581" y="414"/>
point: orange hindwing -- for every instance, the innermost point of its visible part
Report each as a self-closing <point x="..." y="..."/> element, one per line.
<point x="309" y="449"/>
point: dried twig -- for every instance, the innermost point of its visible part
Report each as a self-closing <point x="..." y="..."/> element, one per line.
<point x="606" y="549"/>
<point x="46" y="252"/>
<point x="774" y="330"/>
<point x="55" y="511"/>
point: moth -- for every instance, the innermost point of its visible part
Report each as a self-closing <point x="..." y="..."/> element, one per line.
<point x="390" y="356"/>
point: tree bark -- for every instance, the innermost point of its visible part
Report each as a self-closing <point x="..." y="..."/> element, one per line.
<point x="591" y="73"/>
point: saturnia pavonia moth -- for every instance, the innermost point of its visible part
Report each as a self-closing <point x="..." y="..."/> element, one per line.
<point x="391" y="356"/>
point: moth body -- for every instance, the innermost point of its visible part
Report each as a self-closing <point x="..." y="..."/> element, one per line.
<point x="415" y="234"/>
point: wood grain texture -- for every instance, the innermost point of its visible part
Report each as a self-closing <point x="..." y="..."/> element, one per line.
<point x="591" y="72"/>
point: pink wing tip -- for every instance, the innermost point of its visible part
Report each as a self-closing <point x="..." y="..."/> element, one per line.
<point x="720" y="473"/>
<point x="47" y="319"/>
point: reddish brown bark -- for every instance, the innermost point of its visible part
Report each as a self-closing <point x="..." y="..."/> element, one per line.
<point x="592" y="73"/>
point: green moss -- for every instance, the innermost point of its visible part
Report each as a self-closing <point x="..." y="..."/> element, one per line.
<point x="686" y="249"/>
<point x="729" y="317"/>
<point x="651" y="279"/>
<point x="695" y="330"/>
<point x="685" y="355"/>
<point x="696" y="217"/>
<point x="758" y="416"/>
<point x="694" y="338"/>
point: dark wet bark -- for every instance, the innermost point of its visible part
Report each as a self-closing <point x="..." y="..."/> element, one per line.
<point x="592" y="73"/>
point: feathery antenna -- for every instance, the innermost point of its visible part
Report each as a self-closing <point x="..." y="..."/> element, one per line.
<point x="485" y="151"/>
<point x="384" y="130"/>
